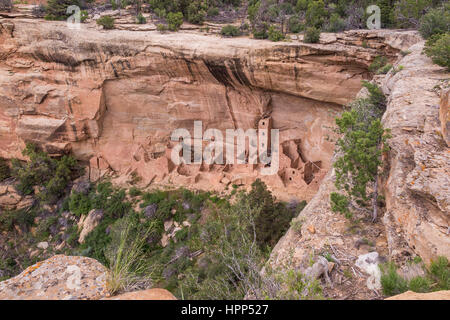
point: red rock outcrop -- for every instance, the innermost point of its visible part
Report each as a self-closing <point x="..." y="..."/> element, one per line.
<point x="113" y="98"/>
<point x="416" y="184"/>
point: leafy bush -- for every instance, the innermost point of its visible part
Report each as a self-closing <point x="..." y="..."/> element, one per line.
<point x="301" y="5"/>
<point x="391" y="282"/>
<point x="339" y="203"/>
<point x="437" y="277"/>
<point x="312" y="35"/>
<point x="436" y="21"/>
<point x="161" y="27"/>
<point x="5" y="171"/>
<point x="83" y="15"/>
<point x="362" y="142"/>
<point x="57" y="9"/>
<point x="51" y="174"/>
<point x="315" y="14"/>
<point x="175" y="20"/>
<point x="230" y="31"/>
<point x="107" y="22"/>
<point x="378" y="63"/>
<point x="275" y="34"/>
<point x="439" y="272"/>
<point x="295" y="25"/>
<point x="272" y="219"/>
<point x="336" y="23"/>
<point x="195" y="12"/>
<point x="140" y="19"/>
<point x="213" y="12"/>
<point x="408" y="12"/>
<point x="260" y="34"/>
<point x="385" y="69"/>
<point x="438" y="49"/>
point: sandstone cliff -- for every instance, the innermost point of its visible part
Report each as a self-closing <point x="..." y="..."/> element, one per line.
<point x="416" y="182"/>
<point x="113" y="98"/>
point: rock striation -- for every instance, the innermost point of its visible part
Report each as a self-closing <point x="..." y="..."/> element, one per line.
<point x="113" y="98"/>
<point x="416" y="183"/>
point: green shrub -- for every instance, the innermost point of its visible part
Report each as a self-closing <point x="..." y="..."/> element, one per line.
<point x="436" y="21"/>
<point x="312" y="35"/>
<point x="301" y="5"/>
<point x="440" y="273"/>
<point x="175" y="20"/>
<point x="213" y="12"/>
<point x="336" y="23"/>
<point x="272" y="218"/>
<point x="140" y="19"/>
<point x="391" y="282"/>
<point x="315" y="14"/>
<point x="360" y="146"/>
<point x="21" y="218"/>
<point x="57" y="9"/>
<point x="230" y="31"/>
<point x="52" y="175"/>
<point x="134" y="192"/>
<point x="84" y="15"/>
<point x="195" y="12"/>
<point x="107" y="22"/>
<point x="420" y="284"/>
<point x="437" y="278"/>
<point x="378" y="63"/>
<point x="438" y="49"/>
<point x="385" y="69"/>
<point x="339" y="203"/>
<point x="295" y="25"/>
<point x="79" y="204"/>
<point x="5" y="171"/>
<point x="275" y="34"/>
<point x="160" y="13"/>
<point x="260" y="34"/>
<point x="161" y="27"/>
<point x="408" y="12"/>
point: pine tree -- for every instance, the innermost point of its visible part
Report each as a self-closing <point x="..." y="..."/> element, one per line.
<point x="360" y="147"/>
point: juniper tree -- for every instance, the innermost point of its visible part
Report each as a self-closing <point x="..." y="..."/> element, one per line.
<point x="360" y="148"/>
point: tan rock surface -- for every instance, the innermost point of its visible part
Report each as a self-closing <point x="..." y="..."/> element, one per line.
<point x="150" y="294"/>
<point x="58" y="278"/>
<point x="114" y="97"/>
<point x="417" y="187"/>
<point x="410" y="295"/>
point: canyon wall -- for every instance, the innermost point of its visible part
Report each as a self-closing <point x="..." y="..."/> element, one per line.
<point x="113" y="98"/>
<point x="415" y="181"/>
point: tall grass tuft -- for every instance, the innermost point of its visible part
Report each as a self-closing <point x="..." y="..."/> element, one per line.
<point x="128" y="270"/>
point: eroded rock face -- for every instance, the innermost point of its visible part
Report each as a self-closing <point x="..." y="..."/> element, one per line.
<point x="58" y="278"/>
<point x="113" y="98"/>
<point x="417" y="189"/>
<point x="416" y="184"/>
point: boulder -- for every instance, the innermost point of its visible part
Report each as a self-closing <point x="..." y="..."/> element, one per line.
<point x="410" y="295"/>
<point x="150" y="294"/>
<point x="58" y="278"/>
